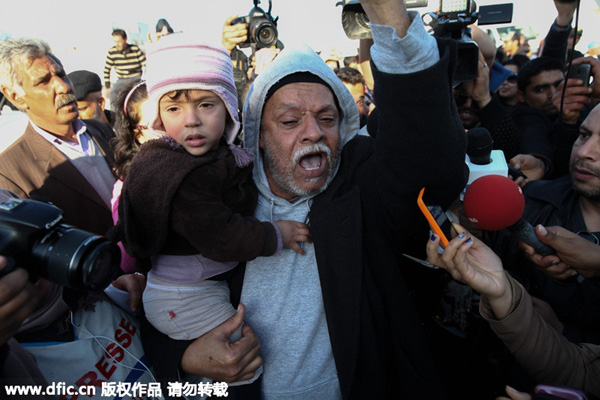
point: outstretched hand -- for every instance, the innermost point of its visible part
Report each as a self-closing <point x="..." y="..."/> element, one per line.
<point x="566" y="10"/>
<point x="531" y="166"/>
<point x="470" y="261"/>
<point x="574" y="254"/>
<point x="293" y="232"/>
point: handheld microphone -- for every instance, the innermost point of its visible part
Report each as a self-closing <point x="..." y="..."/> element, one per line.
<point x="481" y="159"/>
<point x="495" y="202"/>
<point x="479" y="146"/>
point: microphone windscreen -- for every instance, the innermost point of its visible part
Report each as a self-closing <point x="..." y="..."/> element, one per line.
<point x="493" y="202"/>
<point x="479" y="145"/>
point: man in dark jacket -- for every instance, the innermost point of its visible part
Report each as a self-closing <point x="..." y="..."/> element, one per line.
<point x="59" y="157"/>
<point x="571" y="202"/>
<point x="339" y="322"/>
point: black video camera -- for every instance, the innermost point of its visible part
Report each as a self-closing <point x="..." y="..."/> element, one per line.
<point x="262" y="27"/>
<point x="450" y="22"/>
<point x="32" y="237"/>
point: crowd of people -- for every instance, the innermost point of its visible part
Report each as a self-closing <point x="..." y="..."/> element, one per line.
<point x="266" y="216"/>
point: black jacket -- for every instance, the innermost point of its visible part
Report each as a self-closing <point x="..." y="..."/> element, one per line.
<point x="360" y="232"/>
<point x="576" y="303"/>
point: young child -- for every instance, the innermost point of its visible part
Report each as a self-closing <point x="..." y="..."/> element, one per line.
<point x="188" y="199"/>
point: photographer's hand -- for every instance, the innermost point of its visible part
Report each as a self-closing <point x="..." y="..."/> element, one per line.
<point x="18" y="299"/>
<point x="595" y="74"/>
<point x="575" y="100"/>
<point x="264" y="57"/>
<point x="566" y="10"/>
<point x="233" y="35"/>
<point x="479" y="89"/>
<point x="388" y="12"/>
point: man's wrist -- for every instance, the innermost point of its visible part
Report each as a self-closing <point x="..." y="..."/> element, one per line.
<point x="561" y="26"/>
<point x="484" y="102"/>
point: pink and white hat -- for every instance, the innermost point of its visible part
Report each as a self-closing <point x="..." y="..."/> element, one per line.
<point x="178" y="62"/>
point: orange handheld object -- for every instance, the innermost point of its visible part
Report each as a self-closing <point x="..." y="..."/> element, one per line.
<point x="432" y="222"/>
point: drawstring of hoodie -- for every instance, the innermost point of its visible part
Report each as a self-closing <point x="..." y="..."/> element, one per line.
<point x="271" y="210"/>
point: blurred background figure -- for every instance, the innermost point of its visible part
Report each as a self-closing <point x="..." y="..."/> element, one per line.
<point x="354" y="81"/>
<point x="90" y="102"/>
<point x="508" y="91"/>
<point x="594" y="49"/>
<point x="127" y="59"/>
<point x="514" y="43"/>
<point x="163" y="28"/>
<point x="352" y="62"/>
<point x="576" y="38"/>
<point x="332" y="58"/>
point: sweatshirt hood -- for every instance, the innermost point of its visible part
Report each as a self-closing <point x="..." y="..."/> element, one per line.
<point x="288" y="62"/>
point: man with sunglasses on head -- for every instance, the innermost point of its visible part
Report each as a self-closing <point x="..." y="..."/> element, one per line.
<point x="478" y="107"/>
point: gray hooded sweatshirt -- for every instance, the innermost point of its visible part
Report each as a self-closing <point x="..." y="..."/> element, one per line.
<point x="282" y="294"/>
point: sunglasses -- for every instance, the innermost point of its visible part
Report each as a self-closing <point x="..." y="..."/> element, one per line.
<point x="512" y="78"/>
<point x="460" y="98"/>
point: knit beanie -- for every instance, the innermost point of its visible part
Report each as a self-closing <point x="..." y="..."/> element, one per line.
<point x="178" y="62"/>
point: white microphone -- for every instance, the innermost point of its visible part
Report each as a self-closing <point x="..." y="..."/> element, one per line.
<point x="481" y="159"/>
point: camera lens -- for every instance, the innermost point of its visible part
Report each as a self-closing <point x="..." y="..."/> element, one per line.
<point x="75" y="258"/>
<point x="99" y="265"/>
<point x="264" y="33"/>
<point x="362" y="20"/>
<point x="267" y="36"/>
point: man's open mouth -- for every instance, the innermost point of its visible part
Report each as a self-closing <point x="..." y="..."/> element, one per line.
<point x="313" y="165"/>
<point x="312" y="162"/>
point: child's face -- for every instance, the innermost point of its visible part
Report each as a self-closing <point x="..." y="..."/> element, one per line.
<point x="143" y="112"/>
<point x="195" y="120"/>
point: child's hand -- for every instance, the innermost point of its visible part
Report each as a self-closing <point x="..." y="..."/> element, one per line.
<point x="293" y="232"/>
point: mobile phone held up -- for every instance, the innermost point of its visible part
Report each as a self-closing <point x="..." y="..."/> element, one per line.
<point x="582" y="72"/>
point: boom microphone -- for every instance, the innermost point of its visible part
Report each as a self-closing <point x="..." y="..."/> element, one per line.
<point x="495" y="202"/>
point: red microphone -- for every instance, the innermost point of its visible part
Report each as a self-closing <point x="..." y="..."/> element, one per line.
<point x="494" y="202"/>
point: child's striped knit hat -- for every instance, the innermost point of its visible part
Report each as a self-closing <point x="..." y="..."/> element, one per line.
<point x="178" y="62"/>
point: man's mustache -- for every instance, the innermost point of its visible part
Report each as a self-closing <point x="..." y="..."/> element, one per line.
<point x="578" y="163"/>
<point x="66" y="99"/>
